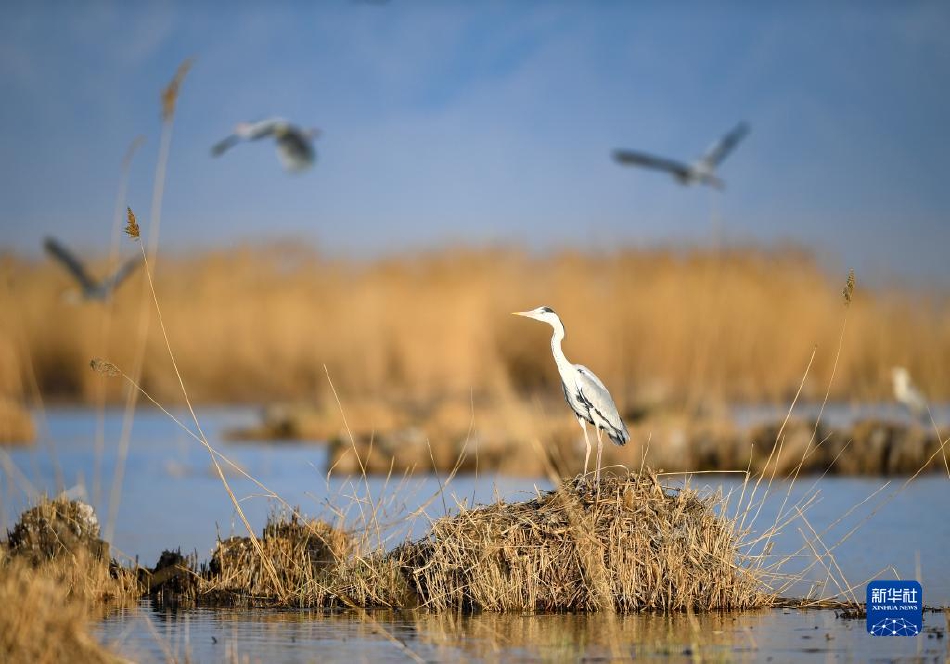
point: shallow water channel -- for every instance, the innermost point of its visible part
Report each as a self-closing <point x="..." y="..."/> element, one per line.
<point x="171" y="497"/>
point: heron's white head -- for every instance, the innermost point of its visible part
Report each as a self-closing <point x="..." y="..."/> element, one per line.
<point x="543" y="314"/>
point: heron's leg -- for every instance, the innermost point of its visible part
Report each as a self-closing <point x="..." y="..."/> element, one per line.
<point x="583" y="424"/>
<point x="600" y="449"/>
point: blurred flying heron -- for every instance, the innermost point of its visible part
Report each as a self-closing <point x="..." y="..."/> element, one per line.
<point x="906" y="393"/>
<point x="90" y="289"/>
<point x="702" y="171"/>
<point x="584" y="392"/>
<point x="294" y="145"/>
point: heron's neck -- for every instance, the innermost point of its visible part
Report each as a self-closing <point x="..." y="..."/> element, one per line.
<point x="556" y="339"/>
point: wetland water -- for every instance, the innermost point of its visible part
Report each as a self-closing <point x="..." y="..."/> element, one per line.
<point x="171" y="497"/>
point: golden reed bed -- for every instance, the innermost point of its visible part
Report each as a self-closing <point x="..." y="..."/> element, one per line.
<point x="687" y="326"/>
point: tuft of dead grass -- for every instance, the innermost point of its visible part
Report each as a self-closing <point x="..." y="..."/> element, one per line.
<point x="628" y="545"/>
<point x="54" y="528"/>
<point x="40" y="620"/>
<point x="298" y="549"/>
<point x="55" y="579"/>
<point x="59" y="540"/>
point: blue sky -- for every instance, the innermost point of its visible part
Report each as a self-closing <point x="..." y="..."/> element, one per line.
<point x="482" y="122"/>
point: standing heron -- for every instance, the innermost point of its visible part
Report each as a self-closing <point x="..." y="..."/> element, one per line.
<point x="702" y="171"/>
<point x="294" y="145"/>
<point x="90" y="289"/>
<point x="906" y="393"/>
<point x="584" y="392"/>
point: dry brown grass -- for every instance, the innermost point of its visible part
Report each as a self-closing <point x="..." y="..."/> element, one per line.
<point x="55" y="579"/>
<point x="259" y="323"/>
<point x="40" y="622"/>
<point x="630" y="544"/>
<point x="525" y="439"/>
<point x="60" y="540"/>
<point x="316" y="564"/>
<point x="637" y="545"/>
<point x="299" y="549"/>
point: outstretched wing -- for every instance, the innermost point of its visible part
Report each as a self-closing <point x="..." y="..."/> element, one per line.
<point x="603" y="411"/>
<point x="248" y="131"/>
<point x="73" y="264"/>
<point x="721" y="148"/>
<point x="632" y="158"/>
<point x="223" y="145"/>
<point x="120" y="275"/>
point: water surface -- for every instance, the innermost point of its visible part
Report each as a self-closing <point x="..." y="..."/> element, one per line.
<point x="171" y="497"/>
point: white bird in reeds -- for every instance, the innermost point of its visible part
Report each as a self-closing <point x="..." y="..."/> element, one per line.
<point x="294" y="145"/>
<point x="584" y="392"/>
<point x="702" y="171"/>
<point x="906" y="393"/>
<point x="89" y="288"/>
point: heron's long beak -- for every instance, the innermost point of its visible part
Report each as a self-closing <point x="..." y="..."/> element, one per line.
<point x="526" y="314"/>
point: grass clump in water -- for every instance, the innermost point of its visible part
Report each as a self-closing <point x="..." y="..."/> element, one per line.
<point x="58" y="540"/>
<point x="298" y="549"/>
<point x="55" y="578"/>
<point x="628" y="545"/>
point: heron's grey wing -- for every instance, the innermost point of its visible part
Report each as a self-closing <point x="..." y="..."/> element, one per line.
<point x="120" y="275"/>
<point x="296" y="150"/>
<point x="601" y="404"/>
<point x="221" y="146"/>
<point x="721" y="148"/>
<point x="73" y="264"/>
<point x="632" y="158"/>
<point x="592" y="377"/>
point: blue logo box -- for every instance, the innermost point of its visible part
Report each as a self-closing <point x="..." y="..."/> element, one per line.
<point x="895" y="608"/>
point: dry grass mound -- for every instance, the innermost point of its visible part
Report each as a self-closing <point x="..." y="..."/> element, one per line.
<point x="59" y="540"/>
<point x="56" y="527"/>
<point x="630" y="544"/>
<point x="297" y="550"/>
<point x="636" y="546"/>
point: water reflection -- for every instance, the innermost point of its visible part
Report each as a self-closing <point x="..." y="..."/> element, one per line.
<point x="205" y="635"/>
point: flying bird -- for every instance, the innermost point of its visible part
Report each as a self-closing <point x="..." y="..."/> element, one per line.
<point x="906" y="393"/>
<point x="584" y="392"/>
<point x="90" y="289"/>
<point x="702" y="171"/>
<point x="294" y="145"/>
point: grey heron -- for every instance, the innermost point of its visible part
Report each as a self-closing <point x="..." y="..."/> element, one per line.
<point x="90" y="288"/>
<point x="702" y="171"/>
<point x="294" y="145"/>
<point x="584" y="392"/>
<point x="906" y="393"/>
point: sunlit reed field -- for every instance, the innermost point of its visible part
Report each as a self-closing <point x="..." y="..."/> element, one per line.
<point x="677" y="326"/>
